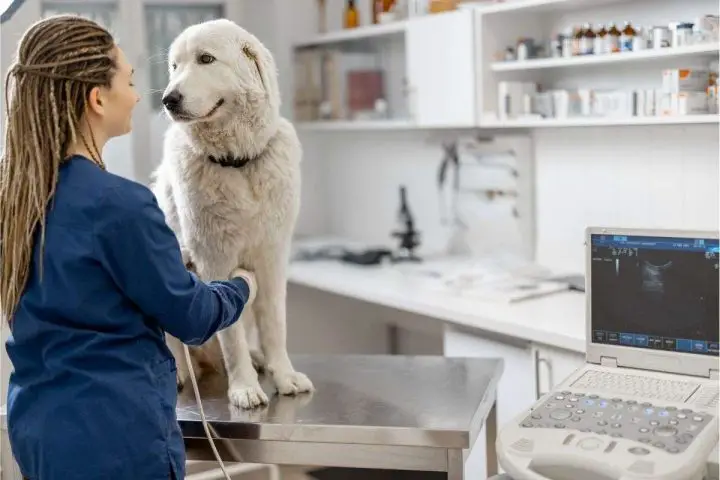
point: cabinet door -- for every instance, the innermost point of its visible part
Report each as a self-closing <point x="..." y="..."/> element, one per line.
<point x="553" y="366"/>
<point x="441" y="70"/>
<point x="516" y="389"/>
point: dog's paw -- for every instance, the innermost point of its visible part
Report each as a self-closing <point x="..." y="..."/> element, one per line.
<point x="292" y="383"/>
<point x="182" y="378"/>
<point x="247" y="397"/>
<point x="258" y="360"/>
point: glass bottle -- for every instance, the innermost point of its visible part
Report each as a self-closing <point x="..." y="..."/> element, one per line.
<point x="351" y="15"/>
<point x="377" y="8"/>
<point x="578" y="41"/>
<point x="613" y="39"/>
<point x="626" y="38"/>
<point x="589" y="38"/>
<point x="600" y="46"/>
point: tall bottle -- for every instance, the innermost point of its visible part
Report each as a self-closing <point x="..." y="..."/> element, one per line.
<point x="626" y="38"/>
<point x="613" y="39"/>
<point x="351" y="15"/>
<point x="600" y="41"/>
<point x="589" y="40"/>
<point x="578" y="41"/>
<point x="377" y="8"/>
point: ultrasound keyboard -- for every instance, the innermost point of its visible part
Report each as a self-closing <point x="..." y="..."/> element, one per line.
<point x="636" y="385"/>
<point x="578" y="433"/>
<point x="655" y="426"/>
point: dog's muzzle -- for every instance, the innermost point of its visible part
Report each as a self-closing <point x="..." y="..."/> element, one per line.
<point x="173" y="102"/>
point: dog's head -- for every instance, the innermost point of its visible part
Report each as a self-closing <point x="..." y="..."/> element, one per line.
<point x="220" y="71"/>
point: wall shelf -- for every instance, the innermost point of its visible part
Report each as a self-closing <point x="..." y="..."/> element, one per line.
<point x="355" y="125"/>
<point x="580" y="61"/>
<point x="600" y="122"/>
<point x="352" y="35"/>
<point x="544" y="5"/>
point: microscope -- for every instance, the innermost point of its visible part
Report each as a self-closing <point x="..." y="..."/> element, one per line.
<point x="409" y="237"/>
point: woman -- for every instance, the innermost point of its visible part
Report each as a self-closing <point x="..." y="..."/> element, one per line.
<point x="91" y="276"/>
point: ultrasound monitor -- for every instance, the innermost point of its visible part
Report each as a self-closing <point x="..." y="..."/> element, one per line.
<point x="655" y="292"/>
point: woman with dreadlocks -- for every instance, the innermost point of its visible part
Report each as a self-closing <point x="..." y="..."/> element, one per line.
<point x="90" y="275"/>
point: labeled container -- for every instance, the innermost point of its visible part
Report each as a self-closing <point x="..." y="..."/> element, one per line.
<point x="588" y="41"/>
<point x="640" y="41"/>
<point x="556" y="46"/>
<point x="682" y="34"/>
<point x="627" y="37"/>
<point x="677" y="80"/>
<point x="661" y="37"/>
<point x="649" y="96"/>
<point x="613" y="39"/>
<point x="684" y="103"/>
<point x="713" y="99"/>
<point x="568" y="44"/>
<point x="600" y="46"/>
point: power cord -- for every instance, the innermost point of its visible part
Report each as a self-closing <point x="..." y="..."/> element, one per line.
<point x="209" y="430"/>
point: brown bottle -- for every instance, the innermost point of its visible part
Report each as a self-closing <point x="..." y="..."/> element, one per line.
<point x="588" y="40"/>
<point x="352" y="17"/>
<point x="613" y="39"/>
<point x="600" y="43"/>
<point x="626" y="38"/>
<point x="578" y="41"/>
<point x="377" y="9"/>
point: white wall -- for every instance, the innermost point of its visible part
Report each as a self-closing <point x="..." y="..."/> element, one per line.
<point x="657" y="177"/>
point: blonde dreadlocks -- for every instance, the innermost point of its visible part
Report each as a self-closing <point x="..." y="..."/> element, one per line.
<point x="59" y="61"/>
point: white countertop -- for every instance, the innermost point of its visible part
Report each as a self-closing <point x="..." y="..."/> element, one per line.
<point x="556" y="320"/>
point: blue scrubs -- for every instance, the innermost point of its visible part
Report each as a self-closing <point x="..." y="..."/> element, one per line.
<point x="93" y="391"/>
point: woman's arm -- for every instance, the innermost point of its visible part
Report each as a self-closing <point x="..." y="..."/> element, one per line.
<point x="142" y="255"/>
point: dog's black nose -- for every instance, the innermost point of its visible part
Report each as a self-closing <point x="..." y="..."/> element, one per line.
<point x="173" y="101"/>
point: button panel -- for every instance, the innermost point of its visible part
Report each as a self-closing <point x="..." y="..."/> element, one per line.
<point x="655" y="426"/>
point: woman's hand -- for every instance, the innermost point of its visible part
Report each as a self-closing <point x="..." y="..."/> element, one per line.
<point x="249" y="277"/>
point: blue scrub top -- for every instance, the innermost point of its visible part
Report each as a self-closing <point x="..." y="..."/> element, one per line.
<point x="93" y="391"/>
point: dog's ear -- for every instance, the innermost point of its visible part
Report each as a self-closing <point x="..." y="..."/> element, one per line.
<point x="252" y="56"/>
<point x="265" y="66"/>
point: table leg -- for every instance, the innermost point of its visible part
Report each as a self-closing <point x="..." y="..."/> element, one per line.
<point x="455" y="465"/>
<point x="490" y="439"/>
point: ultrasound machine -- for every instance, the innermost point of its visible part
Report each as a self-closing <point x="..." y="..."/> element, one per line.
<point x="645" y="405"/>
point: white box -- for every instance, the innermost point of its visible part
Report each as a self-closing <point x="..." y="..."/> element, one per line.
<point x="678" y="80"/>
<point x="614" y="104"/>
<point x="691" y="103"/>
<point x="513" y="99"/>
<point x="685" y="103"/>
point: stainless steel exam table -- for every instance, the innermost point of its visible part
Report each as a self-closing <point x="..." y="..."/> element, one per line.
<point x="370" y="411"/>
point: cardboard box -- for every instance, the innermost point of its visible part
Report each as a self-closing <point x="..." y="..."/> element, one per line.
<point x="685" y="103"/>
<point x="678" y="80"/>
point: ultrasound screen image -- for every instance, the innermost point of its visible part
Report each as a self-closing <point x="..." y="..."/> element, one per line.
<point x="656" y="292"/>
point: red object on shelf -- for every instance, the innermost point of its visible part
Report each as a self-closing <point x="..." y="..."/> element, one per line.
<point x="364" y="87"/>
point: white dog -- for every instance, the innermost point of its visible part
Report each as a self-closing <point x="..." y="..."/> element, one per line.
<point x="229" y="184"/>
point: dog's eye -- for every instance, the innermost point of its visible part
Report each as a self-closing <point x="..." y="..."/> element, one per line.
<point x="206" y="58"/>
<point x="174" y="66"/>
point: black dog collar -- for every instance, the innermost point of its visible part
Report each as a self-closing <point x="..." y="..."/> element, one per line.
<point x="230" y="161"/>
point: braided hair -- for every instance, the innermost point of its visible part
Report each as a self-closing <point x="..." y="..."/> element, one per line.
<point x="59" y="61"/>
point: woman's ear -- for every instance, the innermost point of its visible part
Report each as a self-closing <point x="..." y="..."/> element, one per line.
<point x="95" y="101"/>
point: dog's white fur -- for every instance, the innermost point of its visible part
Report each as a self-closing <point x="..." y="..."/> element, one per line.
<point x="228" y="217"/>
